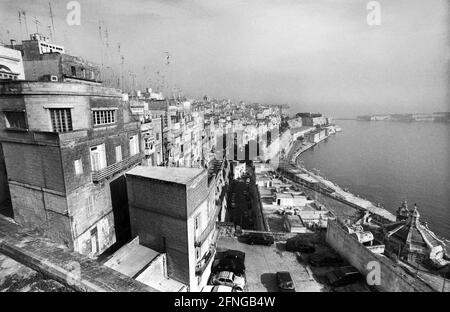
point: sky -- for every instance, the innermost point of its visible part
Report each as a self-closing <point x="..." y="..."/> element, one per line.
<point x="314" y="55"/>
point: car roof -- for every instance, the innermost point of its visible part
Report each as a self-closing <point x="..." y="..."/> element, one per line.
<point x="222" y="288"/>
<point x="235" y="254"/>
<point x="284" y="274"/>
<point x="217" y="288"/>
<point x="226" y="274"/>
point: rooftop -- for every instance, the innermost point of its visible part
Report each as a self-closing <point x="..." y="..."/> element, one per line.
<point x="178" y="175"/>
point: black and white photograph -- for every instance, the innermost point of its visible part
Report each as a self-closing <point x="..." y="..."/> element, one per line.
<point x="248" y="147"/>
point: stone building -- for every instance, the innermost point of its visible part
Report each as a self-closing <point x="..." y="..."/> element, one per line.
<point x="412" y="241"/>
<point x="11" y="64"/>
<point x="66" y="147"/>
<point x="45" y="61"/>
<point x="173" y="211"/>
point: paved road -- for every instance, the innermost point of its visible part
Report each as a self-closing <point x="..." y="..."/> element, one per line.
<point x="262" y="262"/>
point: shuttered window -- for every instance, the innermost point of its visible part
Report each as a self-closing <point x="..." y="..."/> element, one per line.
<point x="61" y="119"/>
<point x="104" y="117"/>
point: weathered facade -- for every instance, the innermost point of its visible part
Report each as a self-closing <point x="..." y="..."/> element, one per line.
<point x="66" y="147"/>
<point x="172" y="211"/>
<point x="45" y="61"/>
<point x="4" y="188"/>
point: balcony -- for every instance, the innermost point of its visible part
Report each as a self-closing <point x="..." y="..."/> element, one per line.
<point x="111" y="170"/>
<point x="205" y="261"/>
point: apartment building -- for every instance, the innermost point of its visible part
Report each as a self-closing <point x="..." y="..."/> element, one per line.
<point x="173" y="211"/>
<point x="45" y="61"/>
<point x="66" y="147"/>
<point x="11" y="64"/>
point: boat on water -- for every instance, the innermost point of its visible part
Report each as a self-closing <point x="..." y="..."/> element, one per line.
<point x="338" y="129"/>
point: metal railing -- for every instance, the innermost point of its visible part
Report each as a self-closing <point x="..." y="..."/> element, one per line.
<point x="111" y="170"/>
<point x="204" y="262"/>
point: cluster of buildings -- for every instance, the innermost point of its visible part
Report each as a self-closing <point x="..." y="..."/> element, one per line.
<point x="285" y="207"/>
<point x="96" y="169"/>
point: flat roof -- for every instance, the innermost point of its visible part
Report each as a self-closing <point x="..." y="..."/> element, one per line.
<point x="178" y="175"/>
<point x="131" y="258"/>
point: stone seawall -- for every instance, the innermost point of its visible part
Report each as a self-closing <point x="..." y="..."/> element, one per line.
<point x="392" y="277"/>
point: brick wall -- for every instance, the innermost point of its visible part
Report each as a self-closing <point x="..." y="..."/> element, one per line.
<point x="157" y="196"/>
<point x="156" y="230"/>
<point x="105" y="235"/>
<point x="43" y="211"/>
<point x="37" y="109"/>
<point x="197" y="192"/>
<point x="36" y="69"/>
<point x="34" y="164"/>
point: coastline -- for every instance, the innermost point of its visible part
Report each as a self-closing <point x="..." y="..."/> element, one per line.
<point x="345" y="196"/>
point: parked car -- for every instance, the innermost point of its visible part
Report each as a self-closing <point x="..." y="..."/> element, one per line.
<point x="227" y="278"/>
<point x="321" y="260"/>
<point x="285" y="282"/>
<point x="217" y="288"/>
<point x="343" y="276"/>
<point x="295" y="244"/>
<point x="228" y="264"/>
<point x="257" y="239"/>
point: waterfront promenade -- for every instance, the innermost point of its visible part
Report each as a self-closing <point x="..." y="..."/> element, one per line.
<point x="326" y="187"/>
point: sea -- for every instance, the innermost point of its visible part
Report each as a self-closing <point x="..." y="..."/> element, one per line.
<point x="387" y="162"/>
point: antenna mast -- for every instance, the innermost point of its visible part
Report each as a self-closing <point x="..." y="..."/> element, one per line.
<point x="36" y="21"/>
<point x="53" y="24"/>
<point x="20" y="23"/>
<point x="26" y="24"/>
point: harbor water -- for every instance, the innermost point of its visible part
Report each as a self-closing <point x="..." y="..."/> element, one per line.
<point x="388" y="162"/>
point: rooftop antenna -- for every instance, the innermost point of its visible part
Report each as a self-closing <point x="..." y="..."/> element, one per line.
<point x="20" y="22"/>
<point x="50" y="33"/>
<point x="53" y="24"/>
<point x="121" y="70"/>
<point x="36" y="22"/>
<point x="101" y="40"/>
<point x="26" y="24"/>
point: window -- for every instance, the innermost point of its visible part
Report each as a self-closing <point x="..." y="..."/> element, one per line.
<point x="61" y="119"/>
<point x="197" y="253"/>
<point x="134" y="145"/>
<point x="157" y="136"/>
<point x="78" y="166"/>
<point x="90" y="205"/>
<point x="98" y="157"/>
<point x="118" y="153"/>
<point x="104" y="117"/>
<point x="15" y="120"/>
<point x="73" y="70"/>
<point x="196" y="223"/>
<point x="94" y="240"/>
<point x="148" y="143"/>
